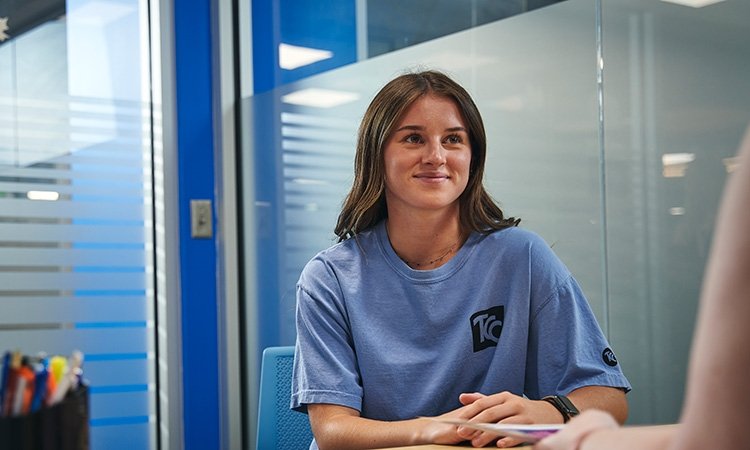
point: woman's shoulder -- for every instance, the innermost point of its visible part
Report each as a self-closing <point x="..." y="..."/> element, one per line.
<point x="515" y="236"/>
<point x="521" y="243"/>
<point x="343" y="253"/>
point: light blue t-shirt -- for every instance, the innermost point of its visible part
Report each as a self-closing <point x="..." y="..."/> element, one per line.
<point x="504" y="314"/>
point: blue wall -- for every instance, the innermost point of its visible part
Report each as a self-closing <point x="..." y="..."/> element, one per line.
<point x="305" y="23"/>
<point x="195" y="146"/>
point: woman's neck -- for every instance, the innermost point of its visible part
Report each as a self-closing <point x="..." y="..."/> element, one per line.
<point x="425" y="244"/>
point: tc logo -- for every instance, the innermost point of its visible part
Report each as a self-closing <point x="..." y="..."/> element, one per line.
<point x="486" y="327"/>
<point x="609" y="357"/>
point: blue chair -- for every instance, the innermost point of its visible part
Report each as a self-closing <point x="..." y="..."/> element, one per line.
<point x="279" y="427"/>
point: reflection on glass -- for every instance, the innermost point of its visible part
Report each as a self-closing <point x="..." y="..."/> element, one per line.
<point x="396" y="24"/>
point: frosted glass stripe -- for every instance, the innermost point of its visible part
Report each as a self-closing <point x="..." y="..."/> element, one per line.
<point x="319" y="121"/>
<point x="70" y="280"/>
<point x="70" y="210"/>
<point x="307" y="173"/>
<point x="72" y="233"/>
<point x="122" y="437"/>
<point x="315" y="161"/>
<point x="117" y="372"/>
<point x="127" y="340"/>
<point x="116" y="356"/>
<point x="77" y="104"/>
<point x="65" y="132"/>
<point x="319" y="148"/>
<point x="124" y="179"/>
<point x="318" y="135"/>
<point x="103" y="157"/>
<point x="120" y="404"/>
<point x="112" y="324"/>
<point x="71" y="256"/>
<point x="68" y="309"/>
<point x="136" y="191"/>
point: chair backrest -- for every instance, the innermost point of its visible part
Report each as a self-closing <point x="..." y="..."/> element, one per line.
<point x="279" y="427"/>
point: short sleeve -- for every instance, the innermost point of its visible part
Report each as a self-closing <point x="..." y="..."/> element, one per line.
<point x="567" y="348"/>
<point x="325" y="367"/>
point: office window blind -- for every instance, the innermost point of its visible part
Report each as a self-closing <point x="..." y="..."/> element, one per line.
<point x="76" y="246"/>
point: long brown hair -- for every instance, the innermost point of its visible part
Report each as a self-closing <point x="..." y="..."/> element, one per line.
<point x="365" y="204"/>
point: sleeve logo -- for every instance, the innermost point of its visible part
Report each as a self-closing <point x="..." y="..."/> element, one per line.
<point x="609" y="357"/>
<point x="486" y="326"/>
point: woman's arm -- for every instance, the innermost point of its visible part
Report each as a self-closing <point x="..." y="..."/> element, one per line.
<point x="596" y="430"/>
<point x="654" y="437"/>
<point x="717" y="403"/>
<point x="339" y="427"/>
<point x="605" y="398"/>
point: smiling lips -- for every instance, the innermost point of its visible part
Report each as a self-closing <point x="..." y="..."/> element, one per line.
<point x="431" y="177"/>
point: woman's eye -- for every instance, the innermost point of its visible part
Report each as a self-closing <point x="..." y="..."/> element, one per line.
<point x="454" y="139"/>
<point x="413" y="139"/>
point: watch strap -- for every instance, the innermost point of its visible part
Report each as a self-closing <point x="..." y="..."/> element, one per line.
<point x="564" y="405"/>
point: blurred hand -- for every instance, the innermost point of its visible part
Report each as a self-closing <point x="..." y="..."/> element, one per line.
<point x="570" y="437"/>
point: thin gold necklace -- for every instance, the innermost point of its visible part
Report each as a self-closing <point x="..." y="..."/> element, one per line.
<point x="436" y="260"/>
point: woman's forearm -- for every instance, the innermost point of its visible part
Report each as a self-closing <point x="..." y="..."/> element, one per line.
<point x="609" y="399"/>
<point x="337" y="427"/>
<point x="628" y="438"/>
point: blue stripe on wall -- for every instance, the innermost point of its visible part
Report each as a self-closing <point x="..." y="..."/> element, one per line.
<point x="135" y="324"/>
<point x="130" y="420"/>
<point x="118" y="388"/>
<point x="195" y="144"/>
<point x="114" y="356"/>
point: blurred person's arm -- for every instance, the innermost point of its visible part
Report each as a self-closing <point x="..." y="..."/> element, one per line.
<point x="717" y="402"/>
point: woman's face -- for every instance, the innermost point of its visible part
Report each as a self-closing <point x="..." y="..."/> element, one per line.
<point x="427" y="157"/>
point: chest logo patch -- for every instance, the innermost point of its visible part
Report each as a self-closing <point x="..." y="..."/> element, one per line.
<point x="486" y="326"/>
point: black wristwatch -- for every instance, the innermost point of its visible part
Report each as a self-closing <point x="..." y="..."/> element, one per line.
<point x="564" y="405"/>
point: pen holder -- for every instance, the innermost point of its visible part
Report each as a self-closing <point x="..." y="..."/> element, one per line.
<point x="64" y="426"/>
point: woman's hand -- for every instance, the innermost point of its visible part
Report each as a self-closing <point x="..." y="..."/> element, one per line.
<point x="570" y="437"/>
<point x="442" y="433"/>
<point x="503" y="407"/>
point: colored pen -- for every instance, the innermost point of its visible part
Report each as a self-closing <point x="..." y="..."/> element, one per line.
<point x="10" y="388"/>
<point x="4" y="379"/>
<point x="24" y="390"/>
<point x="58" y="366"/>
<point x="69" y="381"/>
<point x="40" y="385"/>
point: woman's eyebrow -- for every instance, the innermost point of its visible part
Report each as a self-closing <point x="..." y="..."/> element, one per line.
<point x="419" y="128"/>
<point x="410" y="127"/>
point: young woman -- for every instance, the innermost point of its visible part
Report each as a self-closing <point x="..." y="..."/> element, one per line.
<point x="435" y="303"/>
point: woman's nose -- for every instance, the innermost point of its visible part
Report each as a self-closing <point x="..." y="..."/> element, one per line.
<point x="434" y="153"/>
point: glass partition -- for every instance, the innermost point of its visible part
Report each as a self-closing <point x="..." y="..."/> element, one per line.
<point x="587" y="152"/>
<point x="76" y="252"/>
<point x="676" y="103"/>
